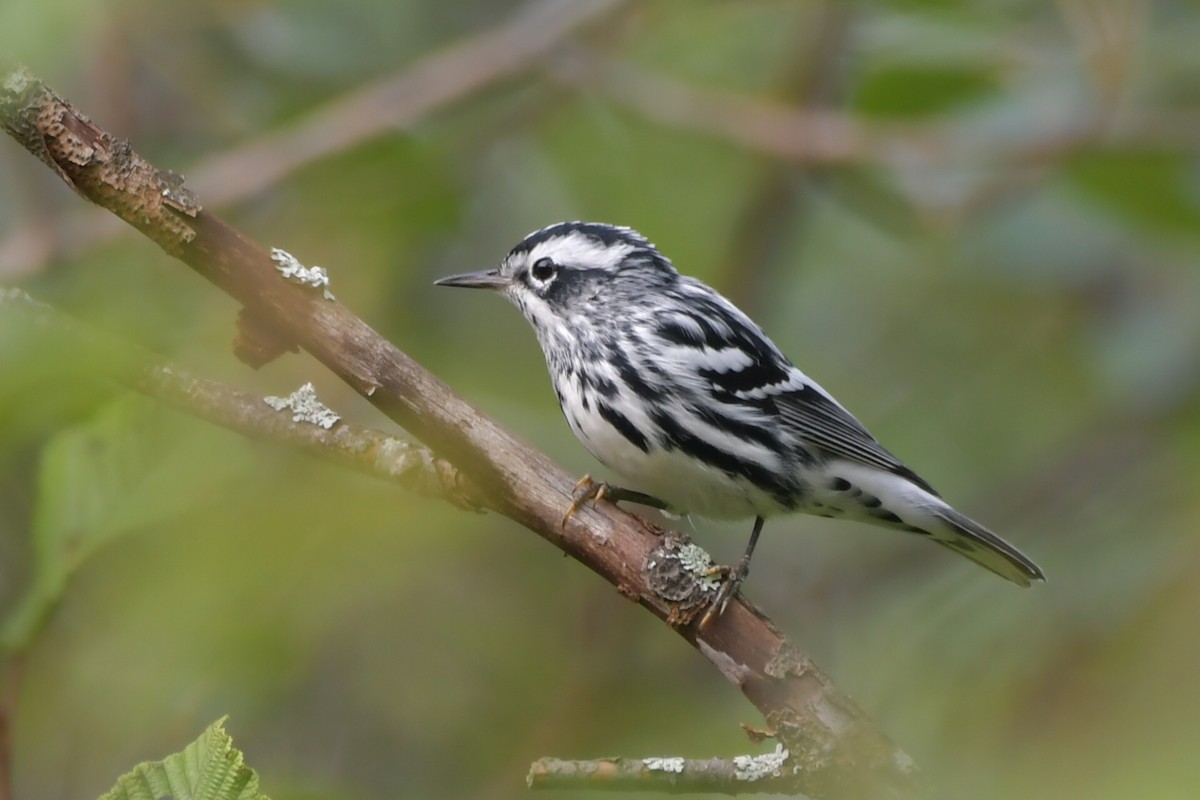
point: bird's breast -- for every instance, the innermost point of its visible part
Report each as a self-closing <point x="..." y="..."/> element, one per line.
<point x="624" y="438"/>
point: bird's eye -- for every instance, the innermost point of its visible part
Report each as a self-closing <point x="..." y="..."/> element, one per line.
<point x="542" y="269"/>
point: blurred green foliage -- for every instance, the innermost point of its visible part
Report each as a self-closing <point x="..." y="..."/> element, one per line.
<point x="1004" y="287"/>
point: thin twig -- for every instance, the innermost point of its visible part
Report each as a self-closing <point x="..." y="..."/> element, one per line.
<point x="835" y="138"/>
<point x="396" y="102"/>
<point x="367" y="450"/>
<point x="761" y="774"/>
<point x="809" y="135"/>
<point x="834" y="748"/>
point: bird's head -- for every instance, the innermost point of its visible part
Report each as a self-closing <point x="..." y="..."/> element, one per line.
<point x="554" y="273"/>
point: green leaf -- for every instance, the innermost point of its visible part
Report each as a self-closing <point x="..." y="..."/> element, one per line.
<point x="922" y="90"/>
<point x="210" y="768"/>
<point x="1154" y="190"/>
<point x="129" y="468"/>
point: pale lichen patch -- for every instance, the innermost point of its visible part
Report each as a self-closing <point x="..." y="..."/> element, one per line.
<point x="674" y="765"/>
<point x="15" y="295"/>
<point x="696" y="561"/>
<point x="18" y="80"/>
<point x="904" y="762"/>
<point x="305" y="407"/>
<point x="767" y="765"/>
<point x="290" y="267"/>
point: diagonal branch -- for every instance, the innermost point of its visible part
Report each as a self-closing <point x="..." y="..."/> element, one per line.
<point x="834" y="748"/>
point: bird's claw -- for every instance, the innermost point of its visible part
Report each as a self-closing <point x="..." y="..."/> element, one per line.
<point x="585" y="491"/>
<point x="731" y="581"/>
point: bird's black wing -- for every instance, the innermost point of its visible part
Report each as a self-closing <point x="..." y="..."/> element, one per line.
<point x="819" y="420"/>
<point x="767" y="379"/>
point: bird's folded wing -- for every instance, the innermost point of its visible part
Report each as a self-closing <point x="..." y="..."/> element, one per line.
<point x="815" y="417"/>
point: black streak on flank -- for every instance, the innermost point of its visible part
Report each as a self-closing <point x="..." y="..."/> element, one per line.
<point x="742" y="430"/>
<point x="679" y="438"/>
<point x="606" y="388"/>
<point x="623" y="426"/>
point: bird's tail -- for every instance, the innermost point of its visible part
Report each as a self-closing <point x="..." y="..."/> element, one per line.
<point x="967" y="537"/>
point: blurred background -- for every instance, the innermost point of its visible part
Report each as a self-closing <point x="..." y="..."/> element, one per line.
<point x="977" y="224"/>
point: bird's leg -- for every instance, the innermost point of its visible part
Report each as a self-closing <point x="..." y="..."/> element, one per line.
<point x="589" y="490"/>
<point x="733" y="577"/>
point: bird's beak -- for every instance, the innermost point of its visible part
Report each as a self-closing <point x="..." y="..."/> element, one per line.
<point x="487" y="279"/>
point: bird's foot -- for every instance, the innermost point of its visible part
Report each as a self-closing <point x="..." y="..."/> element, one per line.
<point x="731" y="581"/>
<point x="588" y="490"/>
<point x="733" y="577"/>
<point x="585" y="491"/>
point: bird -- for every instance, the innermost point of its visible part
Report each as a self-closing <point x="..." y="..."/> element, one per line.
<point x="676" y="390"/>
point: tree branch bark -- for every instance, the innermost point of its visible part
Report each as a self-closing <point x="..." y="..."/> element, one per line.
<point x="835" y="750"/>
<point x="761" y="774"/>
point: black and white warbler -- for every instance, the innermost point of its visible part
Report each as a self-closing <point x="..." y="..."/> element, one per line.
<point x="670" y="385"/>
